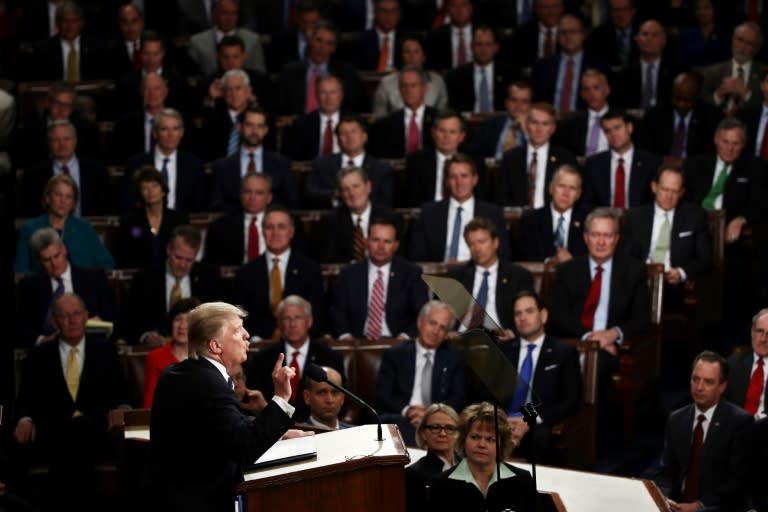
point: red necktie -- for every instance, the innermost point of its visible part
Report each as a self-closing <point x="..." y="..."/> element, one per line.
<point x="296" y="379"/>
<point x="618" y="192"/>
<point x="461" y="53"/>
<point x="565" y="92"/>
<point x="692" y="478"/>
<point x="755" y="390"/>
<point x="376" y="308"/>
<point x="328" y="138"/>
<point x="548" y="42"/>
<point x="65" y="169"/>
<point x="414" y="137"/>
<point x="136" y="62"/>
<point x="593" y="299"/>
<point x="764" y="144"/>
<point x="752" y="12"/>
<point x="251" y="163"/>
<point x="311" y="103"/>
<point x="253" y="239"/>
<point x="384" y="55"/>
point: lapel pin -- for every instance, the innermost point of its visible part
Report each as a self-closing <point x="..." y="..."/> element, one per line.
<point x="503" y="280"/>
<point x="295" y="271"/>
<point x="552" y="159"/>
<point x="391" y="274"/>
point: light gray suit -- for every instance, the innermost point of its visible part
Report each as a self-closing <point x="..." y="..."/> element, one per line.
<point x="387" y="97"/>
<point x="714" y="75"/>
<point x="202" y="50"/>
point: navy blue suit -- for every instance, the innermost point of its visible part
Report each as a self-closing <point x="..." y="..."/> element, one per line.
<point x="659" y="129"/>
<point x="191" y="181"/>
<point x="597" y="179"/>
<point x="538" y="235"/>
<point x="485" y="138"/>
<point x="227" y="178"/>
<point x="421" y="177"/>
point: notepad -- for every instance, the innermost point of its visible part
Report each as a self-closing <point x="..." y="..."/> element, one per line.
<point x="286" y="451"/>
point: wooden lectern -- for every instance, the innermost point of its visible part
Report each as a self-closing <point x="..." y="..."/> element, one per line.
<point x="352" y="471"/>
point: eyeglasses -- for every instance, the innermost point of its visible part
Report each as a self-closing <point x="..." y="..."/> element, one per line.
<point x="435" y="429"/>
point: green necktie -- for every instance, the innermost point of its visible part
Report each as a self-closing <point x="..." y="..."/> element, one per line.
<point x="662" y="242"/>
<point x="717" y="189"/>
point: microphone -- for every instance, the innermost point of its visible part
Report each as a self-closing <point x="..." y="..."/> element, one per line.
<point x="317" y="374"/>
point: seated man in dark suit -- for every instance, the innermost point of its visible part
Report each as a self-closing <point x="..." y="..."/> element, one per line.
<point x="525" y="172"/>
<point x="340" y="238"/>
<point x="437" y="234"/>
<point x="493" y="282"/>
<point x="553" y="233"/>
<point x="621" y="176"/>
<point x="182" y="171"/>
<point x="324" y="401"/>
<point x="68" y="386"/>
<point x="380" y="296"/>
<point x="154" y="289"/>
<point x="378" y="48"/>
<point x="321" y="190"/>
<point x="124" y="54"/>
<point x="548" y="375"/>
<point x="754" y="116"/>
<point x="613" y="41"/>
<point x="38" y="291"/>
<point x="704" y="465"/>
<point x="536" y="35"/>
<point x="746" y="385"/>
<point x="581" y="133"/>
<point x="499" y="134"/>
<point x="683" y="127"/>
<point x="602" y="295"/>
<point x="280" y="271"/>
<point x="670" y="232"/>
<point x="419" y="372"/>
<point x="90" y="175"/>
<point x="220" y="118"/>
<point x="448" y="46"/>
<point x="250" y="158"/>
<point x="294" y="317"/>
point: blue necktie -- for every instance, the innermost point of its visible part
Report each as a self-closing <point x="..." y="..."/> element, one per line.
<point x="234" y="140"/>
<point x="560" y="233"/>
<point x="231" y="383"/>
<point x="164" y="170"/>
<point x="49" y="328"/>
<point x="482" y="293"/>
<point x="453" y="253"/>
<point x="523" y="382"/>
<point x="485" y="92"/>
<point x="525" y="13"/>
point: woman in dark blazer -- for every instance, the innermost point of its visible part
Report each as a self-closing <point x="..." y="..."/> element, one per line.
<point x="473" y="485"/>
<point x="437" y="434"/>
<point x="144" y="231"/>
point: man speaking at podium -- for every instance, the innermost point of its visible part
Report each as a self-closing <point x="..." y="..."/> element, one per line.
<point x="199" y="438"/>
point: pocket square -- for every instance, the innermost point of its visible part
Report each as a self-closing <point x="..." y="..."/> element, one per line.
<point x="742" y="180"/>
<point x="684" y="234"/>
<point x="550" y="367"/>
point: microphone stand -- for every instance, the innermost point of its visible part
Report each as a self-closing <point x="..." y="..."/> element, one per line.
<point x="529" y="416"/>
<point x="359" y="401"/>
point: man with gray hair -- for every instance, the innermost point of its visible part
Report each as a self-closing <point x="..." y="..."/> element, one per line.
<point x="220" y="119"/>
<point x="296" y="349"/>
<point x="422" y="371"/>
<point x="746" y="386"/>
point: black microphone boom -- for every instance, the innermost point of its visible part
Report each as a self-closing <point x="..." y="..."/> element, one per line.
<point x="317" y="374"/>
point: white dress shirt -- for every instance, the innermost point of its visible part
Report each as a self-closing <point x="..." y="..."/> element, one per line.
<point x="172" y="172"/>
<point x="390" y="44"/>
<point x="566" y="215"/>
<point x="324" y="125"/>
<point x="247" y="229"/>
<point x="420" y="362"/>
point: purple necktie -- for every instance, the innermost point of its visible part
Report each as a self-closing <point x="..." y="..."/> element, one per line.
<point x="594" y="137"/>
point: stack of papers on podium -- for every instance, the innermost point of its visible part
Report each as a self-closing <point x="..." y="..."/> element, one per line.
<point x="285" y="451"/>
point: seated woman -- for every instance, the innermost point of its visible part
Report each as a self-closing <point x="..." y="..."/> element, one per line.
<point x="174" y="351"/>
<point x="144" y="231"/>
<point x="473" y="485"/>
<point x="83" y="243"/>
<point x="436" y="433"/>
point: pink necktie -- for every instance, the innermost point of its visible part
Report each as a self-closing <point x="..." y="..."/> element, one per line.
<point x="414" y="137"/>
<point x="311" y="103"/>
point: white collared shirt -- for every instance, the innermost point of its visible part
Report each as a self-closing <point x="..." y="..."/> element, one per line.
<point x="172" y="161"/>
<point x="566" y="215"/>
<point x="478" y="72"/>
<point x="493" y="276"/>
<point x="247" y="229"/>
<point x="627" y="156"/>
<point x="658" y="220"/>
<point x="324" y="126"/>
<point x="357" y="161"/>
<point x="220" y="35"/>
<point x="542" y="155"/>
<point x="301" y="358"/>
<point x="282" y="263"/>
<point x="467" y="30"/>
<point x="65" y="46"/>
<point x="66" y="279"/>
<point x="170" y="281"/>
<point x="64" y="350"/>
<point x="73" y="165"/>
<point x="719" y="167"/>
<point x="708" y="414"/>
<point x="365" y="218"/>
<point x="420" y="362"/>
<point x="467" y="214"/>
<point x="372" y="276"/>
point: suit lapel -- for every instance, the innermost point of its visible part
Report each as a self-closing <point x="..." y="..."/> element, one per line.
<point x="544" y="360"/>
<point x="636" y="184"/>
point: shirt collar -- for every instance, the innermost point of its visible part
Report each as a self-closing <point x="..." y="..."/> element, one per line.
<point x="222" y="369"/>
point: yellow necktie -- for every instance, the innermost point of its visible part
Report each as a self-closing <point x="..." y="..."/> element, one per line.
<point x="175" y="293"/>
<point x="275" y="292"/>
<point x="73" y="66"/>
<point x="510" y="141"/>
<point x="73" y="373"/>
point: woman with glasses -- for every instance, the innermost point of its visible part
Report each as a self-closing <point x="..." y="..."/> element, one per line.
<point x="437" y="434"/>
<point x="473" y="484"/>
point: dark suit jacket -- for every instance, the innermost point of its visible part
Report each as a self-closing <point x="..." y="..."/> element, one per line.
<point x="366" y="54"/>
<point x="515" y="493"/>
<point x="438" y="48"/>
<point x="394" y="384"/>
<point x="723" y="469"/>
<point x="333" y="240"/>
<point x="421" y="174"/>
<point x="751" y="115"/>
<point x="35" y="294"/>
<point x="556" y="379"/>
<point x="284" y="48"/>
<point x="406" y="293"/>
<point x="538" y="237"/>
<point x="117" y="58"/>
<point x="137" y="247"/>
<point x="744" y="188"/>
<point x="522" y="47"/>
<point x="511" y="279"/>
<point x="629" y="83"/>
<point x="389" y="135"/>
<point x="47" y="63"/>
<point x="145" y="309"/>
<point x="512" y="175"/>
<point x="128" y="138"/>
<point x="30" y="143"/>
<point x="227" y="177"/>
<point x="217" y="125"/>
<point x="94" y="181"/>
<point x="259" y="372"/>
<point x="572" y="132"/>
<point x="629" y="304"/>
<point x="430" y="234"/>
<point x="192" y="402"/>
<point x="597" y="179"/>
<point x="486" y="137"/>
<point x="302" y="277"/>
<point x="658" y="134"/>
<point x="690" y="243"/>
<point x="739" y="376"/>
<point x="191" y="181"/>
<point x="303" y="137"/>
<point x="461" y="86"/>
<point x="321" y="184"/>
<point x="128" y="95"/>
<point x="601" y="43"/>
<point x="545" y="73"/>
<point x="418" y="478"/>
<point x="292" y="86"/>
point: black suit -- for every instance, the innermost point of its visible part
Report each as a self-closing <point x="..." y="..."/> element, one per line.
<point x="227" y="177"/>
<point x="522" y="48"/>
<point x="117" y="58"/>
<point x="303" y="137"/>
<point x="546" y="70"/>
<point x="538" y="235"/>
<point x="193" y="402"/>
<point x="739" y="376"/>
<point x="430" y="237"/>
<point x="629" y="83"/>
<point x="31" y="140"/>
<point x="751" y="115"/>
<point x="137" y="247"/>
<point x="367" y="50"/>
<point x="333" y="240"/>
<point x="191" y="181"/>
<point x="128" y="96"/>
<point x="128" y="139"/>
<point x="259" y="371"/>
<point x="602" y="43"/>
<point x="572" y="132"/>
<point x="35" y="294"/>
<point x="321" y="183"/>
<point x="217" y="126"/>
<point x="438" y="48"/>
<point x="47" y="62"/>
<point x="302" y="277"/>
<point x="723" y="469"/>
<point x="421" y="177"/>
<point x="145" y="309"/>
<point x="511" y="279"/>
<point x="292" y="86"/>
<point x="461" y="86"/>
<point x="284" y="48"/>
<point x="419" y="477"/>
<point x="406" y="293"/>
<point x="512" y="176"/>
<point x="659" y="130"/>
<point x="485" y="138"/>
<point x="390" y="136"/>
<point x="597" y="179"/>
<point x="94" y="181"/>
<point x="512" y="493"/>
